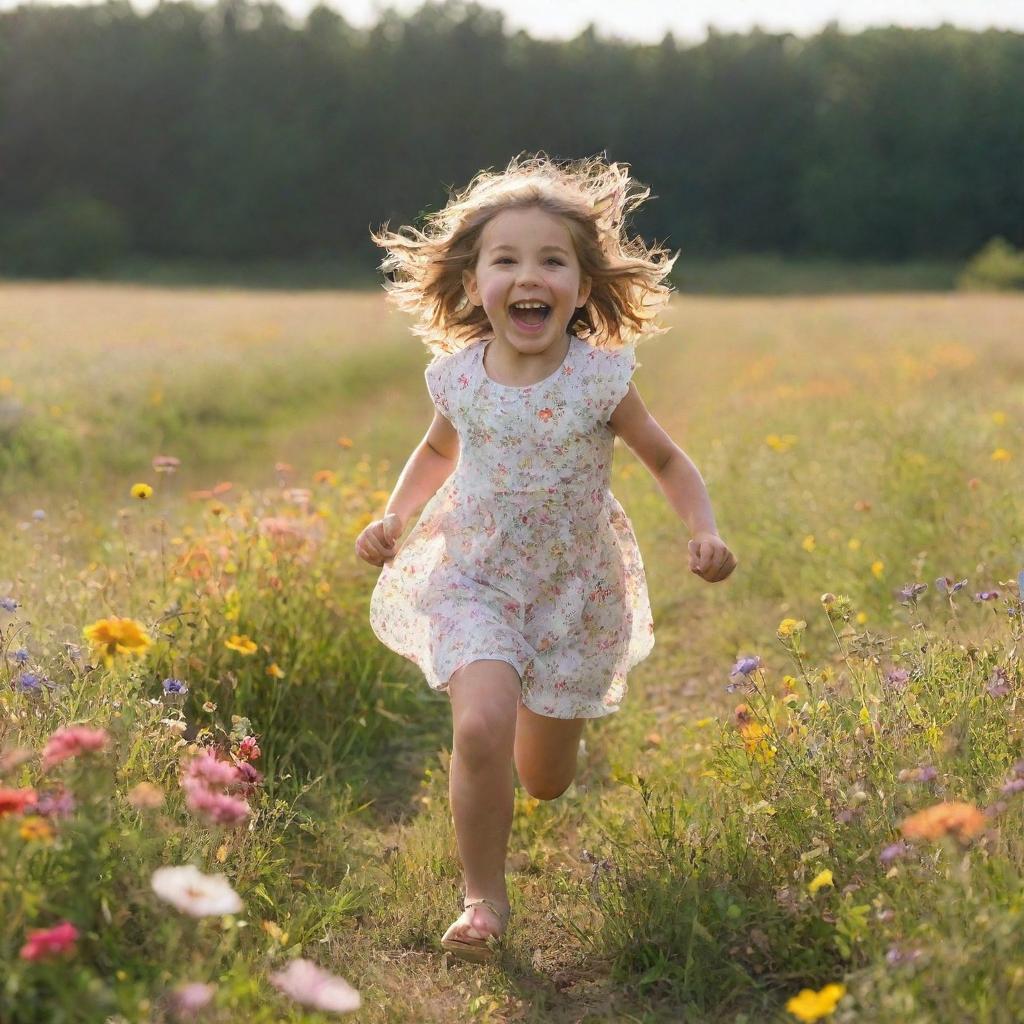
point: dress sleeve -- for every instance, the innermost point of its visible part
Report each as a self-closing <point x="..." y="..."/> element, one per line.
<point x="617" y="374"/>
<point x="436" y="375"/>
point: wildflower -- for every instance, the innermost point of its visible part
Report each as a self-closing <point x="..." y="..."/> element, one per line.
<point x="273" y="929"/>
<point x="39" y="515"/>
<point x="21" y="656"/>
<point x="165" y="463"/>
<point x="243" y="644"/>
<point x="1001" y="455"/>
<point x="897" y="957"/>
<point x="145" y="796"/>
<point x="308" y="984"/>
<point x="8" y="604"/>
<point x="925" y="773"/>
<point x="894" y="851"/>
<point x="962" y="820"/>
<point x="217" y="808"/>
<point x="142" y="491"/>
<point x="175" y="687"/>
<point x="908" y="593"/>
<point x="188" y="999"/>
<point x="58" y="803"/>
<point x="29" y="682"/>
<point x="820" y="880"/>
<point x="250" y="777"/>
<point x="808" y="542"/>
<point x="325" y="476"/>
<point x="13" y="757"/>
<point x="44" y="943"/>
<point x="986" y="595"/>
<point x="194" y="893"/>
<point x="809" y="1005"/>
<point x="275" y="670"/>
<point x="209" y="770"/>
<point x="743" y="667"/>
<point x="998" y="683"/>
<point x="787" y="627"/>
<point x="947" y="584"/>
<point x="897" y="678"/>
<point x="35" y="829"/>
<point x="248" y="749"/>
<point x="72" y="741"/>
<point x="877" y="568"/>
<point x="110" y="637"/>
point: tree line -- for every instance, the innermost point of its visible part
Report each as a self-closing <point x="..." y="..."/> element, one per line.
<point x="236" y="132"/>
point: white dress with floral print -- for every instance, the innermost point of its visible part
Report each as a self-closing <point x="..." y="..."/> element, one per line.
<point x="523" y="554"/>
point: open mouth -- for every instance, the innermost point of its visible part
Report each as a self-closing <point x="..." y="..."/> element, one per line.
<point x="529" y="316"/>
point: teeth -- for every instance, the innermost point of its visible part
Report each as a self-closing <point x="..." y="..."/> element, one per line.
<point x="529" y="305"/>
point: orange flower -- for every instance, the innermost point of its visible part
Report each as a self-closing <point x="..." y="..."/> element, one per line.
<point x="962" y="820"/>
<point x="109" y="637"/>
<point x="545" y="414"/>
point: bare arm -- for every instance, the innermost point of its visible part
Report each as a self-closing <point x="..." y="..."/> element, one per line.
<point x="433" y="460"/>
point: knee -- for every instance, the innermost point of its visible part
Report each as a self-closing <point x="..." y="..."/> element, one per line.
<point x="481" y="739"/>
<point x="545" y="789"/>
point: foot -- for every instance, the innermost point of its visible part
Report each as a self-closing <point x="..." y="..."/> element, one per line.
<point x="476" y="933"/>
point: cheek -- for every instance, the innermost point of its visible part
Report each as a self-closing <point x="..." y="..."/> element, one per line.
<point x="493" y="293"/>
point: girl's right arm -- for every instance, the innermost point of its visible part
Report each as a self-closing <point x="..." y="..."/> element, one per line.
<point x="431" y="463"/>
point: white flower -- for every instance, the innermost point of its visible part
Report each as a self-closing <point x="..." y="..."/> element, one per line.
<point x="306" y="983"/>
<point x="195" y="893"/>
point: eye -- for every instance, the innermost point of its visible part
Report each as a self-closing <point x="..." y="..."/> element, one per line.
<point x="552" y="259"/>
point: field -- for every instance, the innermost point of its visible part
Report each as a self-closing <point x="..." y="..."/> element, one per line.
<point x="743" y="830"/>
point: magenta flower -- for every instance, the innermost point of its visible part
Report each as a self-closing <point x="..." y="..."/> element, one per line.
<point x="72" y="741"/>
<point x="308" y="984"/>
<point x="218" y="808"/>
<point x="44" y="943"/>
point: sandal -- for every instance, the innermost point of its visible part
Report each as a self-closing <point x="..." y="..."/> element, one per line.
<point x="483" y="948"/>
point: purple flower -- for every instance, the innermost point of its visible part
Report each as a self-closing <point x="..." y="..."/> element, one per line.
<point x="907" y="594"/>
<point x="986" y="595"/>
<point x="744" y="666"/>
<point x="897" y="957"/>
<point x="175" y="686"/>
<point x="21" y="656"/>
<point x="998" y="682"/>
<point x="897" y="678"/>
<point x="58" y="804"/>
<point x="38" y="515"/>
<point x="894" y="852"/>
<point x="946" y="583"/>
<point x="29" y="682"/>
<point x="8" y="604"/>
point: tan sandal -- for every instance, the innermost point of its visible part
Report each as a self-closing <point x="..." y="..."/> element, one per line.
<point x="482" y="949"/>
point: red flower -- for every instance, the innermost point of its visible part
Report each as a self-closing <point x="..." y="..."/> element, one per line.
<point x="545" y="414"/>
<point x="14" y="801"/>
<point x="46" y="942"/>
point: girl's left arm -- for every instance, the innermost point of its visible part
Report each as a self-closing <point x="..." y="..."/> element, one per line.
<point x="679" y="479"/>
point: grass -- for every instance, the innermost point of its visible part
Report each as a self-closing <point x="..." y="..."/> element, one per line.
<point x="851" y="445"/>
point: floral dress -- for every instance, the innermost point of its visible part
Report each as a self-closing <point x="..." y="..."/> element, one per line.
<point x="523" y="554"/>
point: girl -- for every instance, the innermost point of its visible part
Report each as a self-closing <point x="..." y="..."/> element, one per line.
<point x="521" y="592"/>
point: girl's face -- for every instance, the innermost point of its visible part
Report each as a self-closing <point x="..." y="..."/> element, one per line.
<point x="527" y="255"/>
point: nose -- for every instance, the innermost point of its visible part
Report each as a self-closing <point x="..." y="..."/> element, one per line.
<point x="527" y="274"/>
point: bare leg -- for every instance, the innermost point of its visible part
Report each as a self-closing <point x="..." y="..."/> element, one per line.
<point x="484" y="696"/>
<point x="545" y="752"/>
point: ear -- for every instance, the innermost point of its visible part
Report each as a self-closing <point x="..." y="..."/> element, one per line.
<point x="469" y="283"/>
<point x="584" y="292"/>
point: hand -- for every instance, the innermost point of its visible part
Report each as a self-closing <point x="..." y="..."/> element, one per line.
<point x="376" y="543"/>
<point x="710" y="558"/>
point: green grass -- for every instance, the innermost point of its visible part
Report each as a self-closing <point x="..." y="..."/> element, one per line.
<point x="850" y="444"/>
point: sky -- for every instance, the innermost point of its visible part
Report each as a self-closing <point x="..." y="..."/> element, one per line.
<point x="649" y="20"/>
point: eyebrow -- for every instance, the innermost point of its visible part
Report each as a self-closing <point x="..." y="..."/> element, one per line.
<point x="544" y="248"/>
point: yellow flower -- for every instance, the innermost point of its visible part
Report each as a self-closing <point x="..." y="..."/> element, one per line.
<point x="999" y="418"/>
<point x="809" y="1005"/>
<point x="808" y="542"/>
<point x="242" y="644"/>
<point x="876" y="568"/>
<point x="276" y="671"/>
<point x="787" y="627"/>
<point x="702" y="723"/>
<point x="1001" y="455"/>
<point x="142" y="491"/>
<point x="821" y="879"/>
<point x="853" y="543"/>
<point x="36" y="829"/>
<point x="862" y="617"/>
<point x="109" y="637"/>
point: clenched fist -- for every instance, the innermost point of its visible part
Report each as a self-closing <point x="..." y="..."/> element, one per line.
<point x="376" y="543"/>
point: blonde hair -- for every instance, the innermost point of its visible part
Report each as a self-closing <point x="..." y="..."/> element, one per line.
<point x="591" y="195"/>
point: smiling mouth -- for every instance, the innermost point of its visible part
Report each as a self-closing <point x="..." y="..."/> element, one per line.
<point x="530" y="319"/>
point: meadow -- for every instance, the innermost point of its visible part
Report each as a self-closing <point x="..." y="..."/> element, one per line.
<point x="807" y="809"/>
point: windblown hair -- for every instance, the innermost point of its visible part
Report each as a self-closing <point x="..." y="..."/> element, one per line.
<point x="424" y="267"/>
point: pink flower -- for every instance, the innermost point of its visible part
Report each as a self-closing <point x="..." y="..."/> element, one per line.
<point x="47" y="942"/>
<point x="306" y="983"/>
<point x="249" y="749"/>
<point x="209" y="770"/>
<point x="72" y="741"/>
<point x="188" y="999"/>
<point x="219" y="808"/>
